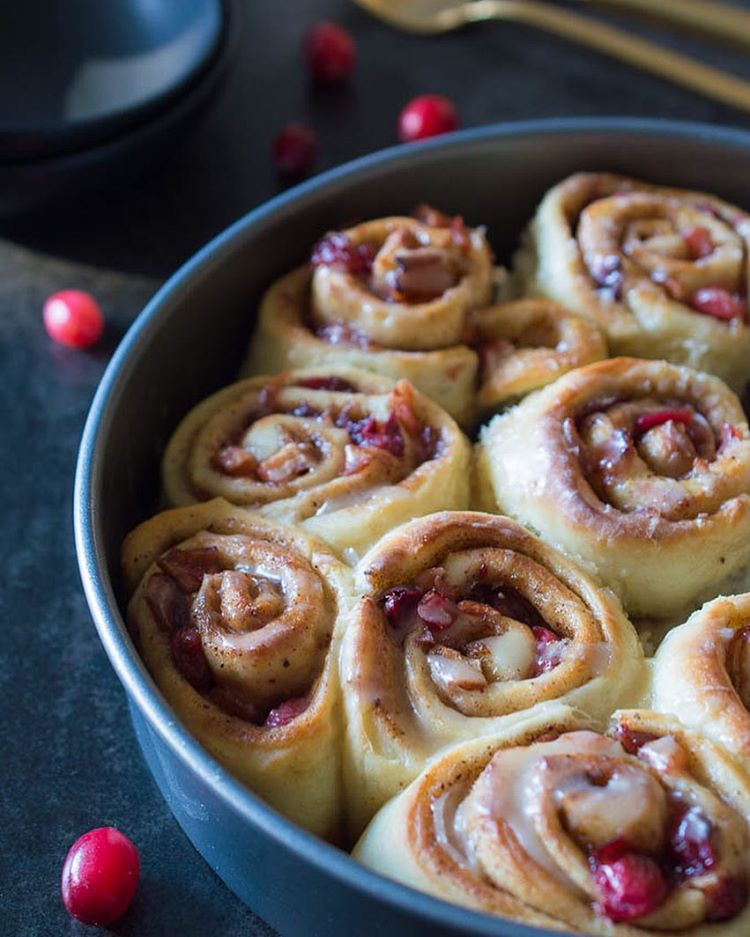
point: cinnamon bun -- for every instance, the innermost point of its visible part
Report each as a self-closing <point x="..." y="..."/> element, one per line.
<point x="344" y="453"/>
<point x="394" y="296"/>
<point x="238" y="620"/>
<point x="465" y="623"/>
<point x="702" y="673"/>
<point x="641" y="468"/>
<point x="664" y="271"/>
<point x="641" y="831"/>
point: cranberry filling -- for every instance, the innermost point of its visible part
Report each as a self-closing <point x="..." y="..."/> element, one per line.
<point x="326" y="383"/>
<point x="372" y="432"/>
<point x="400" y="603"/>
<point x="437" y="610"/>
<point x="690" y="845"/>
<point x="548" y="650"/>
<point x="423" y="274"/>
<point x="287" y="711"/>
<point x="698" y="241"/>
<point x="167" y="603"/>
<point x="188" y="567"/>
<point x="727" y="898"/>
<point x="632" y="740"/>
<point x="337" y="250"/>
<point x="648" y="421"/>
<point x="719" y="303"/>
<point x="607" y="273"/>
<point x="629" y="883"/>
<point x="433" y="603"/>
<point x="190" y="659"/>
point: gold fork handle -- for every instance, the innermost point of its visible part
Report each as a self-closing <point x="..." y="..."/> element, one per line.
<point x="713" y="20"/>
<point x="617" y="43"/>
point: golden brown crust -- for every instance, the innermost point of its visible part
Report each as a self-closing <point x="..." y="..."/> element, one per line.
<point x="286" y="338"/>
<point x="523" y="627"/>
<point x="701" y="673"/>
<point x="342" y="297"/>
<point x="572" y="463"/>
<point x="527" y="344"/>
<point x="246" y="652"/>
<point x="633" y="257"/>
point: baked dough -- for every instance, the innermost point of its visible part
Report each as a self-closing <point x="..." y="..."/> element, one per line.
<point x="639" y="468"/>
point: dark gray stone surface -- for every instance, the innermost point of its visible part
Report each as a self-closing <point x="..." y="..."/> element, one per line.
<point x="68" y="760"/>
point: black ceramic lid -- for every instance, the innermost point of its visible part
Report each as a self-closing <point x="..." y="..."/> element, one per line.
<point x="74" y="73"/>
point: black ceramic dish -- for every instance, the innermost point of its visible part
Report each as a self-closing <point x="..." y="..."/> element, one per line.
<point x="188" y="342"/>
<point x="96" y="95"/>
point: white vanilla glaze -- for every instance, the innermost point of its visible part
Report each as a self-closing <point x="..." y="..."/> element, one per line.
<point x="509" y="788"/>
<point x="452" y="671"/>
<point x="445" y="811"/>
<point x="622" y="801"/>
<point x="353" y="498"/>
<point x="513" y="653"/>
<point x="664" y="754"/>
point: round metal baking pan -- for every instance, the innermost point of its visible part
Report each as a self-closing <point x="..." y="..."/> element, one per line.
<point x="188" y="341"/>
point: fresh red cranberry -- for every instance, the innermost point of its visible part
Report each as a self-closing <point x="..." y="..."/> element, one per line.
<point x="726" y="899"/>
<point x="100" y="876"/>
<point x="337" y="250"/>
<point x="287" y="711"/>
<point x="73" y="318"/>
<point x="427" y="116"/>
<point x="631" y="740"/>
<point x="167" y="603"/>
<point x="437" y="610"/>
<point x="294" y="149"/>
<point x="326" y="383"/>
<point x="630" y="885"/>
<point x="690" y="842"/>
<point x="719" y="303"/>
<point x="607" y="272"/>
<point x="647" y="421"/>
<point x="699" y="243"/>
<point x="190" y="659"/>
<point x="330" y="52"/>
<point x="188" y="567"/>
<point x="400" y="603"/>
<point x="371" y="432"/>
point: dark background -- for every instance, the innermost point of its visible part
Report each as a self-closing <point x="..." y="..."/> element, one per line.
<point x="68" y="759"/>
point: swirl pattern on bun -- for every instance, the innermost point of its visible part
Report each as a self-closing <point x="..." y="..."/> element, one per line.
<point x="664" y="271"/>
<point x="395" y="296"/>
<point x="526" y="344"/>
<point x="641" y="831"/>
<point x="465" y="623"/>
<point x="641" y="468"/>
<point x="344" y="453"/>
<point x="702" y="673"/>
<point x="239" y="621"/>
